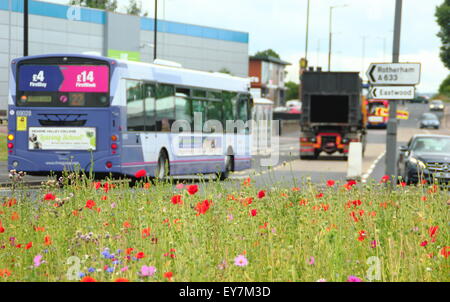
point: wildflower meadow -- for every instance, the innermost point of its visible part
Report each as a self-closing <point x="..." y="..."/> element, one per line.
<point x="162" y="231"/>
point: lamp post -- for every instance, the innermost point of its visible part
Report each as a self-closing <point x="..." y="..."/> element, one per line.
<point x="155" y="37"/>
<point x="25" y="28"/>
<point x="330" y="33"/>
<point x="307" y="27"/>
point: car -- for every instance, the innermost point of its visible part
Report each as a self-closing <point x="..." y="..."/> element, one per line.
<point x="425" y="157"/>
<point x="419" y="99"/>
<point x="436" y="105"/>
<point x="429" y="120"/>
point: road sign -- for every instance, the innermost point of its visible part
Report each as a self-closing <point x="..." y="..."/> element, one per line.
<point x="394" y="73"/>
<point x="392" y="92"/>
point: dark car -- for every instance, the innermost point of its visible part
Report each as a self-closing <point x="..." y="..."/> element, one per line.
<point x="425" y="157"/>
<point x="419" y="99"/>
<point x="436" y="105"/>
<point x="429" y="120"/>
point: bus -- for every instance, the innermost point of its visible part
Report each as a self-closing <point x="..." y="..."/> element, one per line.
<point x="115" y="117"/>
<point x="375" y="119"/>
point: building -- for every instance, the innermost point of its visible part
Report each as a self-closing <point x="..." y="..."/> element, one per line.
<point x="55" y="28"/>
<point x="267" y="74"/>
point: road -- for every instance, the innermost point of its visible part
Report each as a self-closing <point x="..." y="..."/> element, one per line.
<point x="333" y="167"/>
<point x="290" y="170"/>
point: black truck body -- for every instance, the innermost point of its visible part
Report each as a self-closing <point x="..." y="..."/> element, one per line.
<point x="333" y="113"/>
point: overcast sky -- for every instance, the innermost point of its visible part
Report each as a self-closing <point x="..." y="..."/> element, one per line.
<point x="281" y="25"/>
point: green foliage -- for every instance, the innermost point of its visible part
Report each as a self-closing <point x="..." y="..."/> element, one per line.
<point x="267" y="53"/>
<point x="292" y="91"/>
<point x="225" y="70"/>
<point x="109" y="5"/>
<point x="279" y="233"/>
<point x="134" y="8"/>
<point x="443" y="19"/>
<point x="444" y="88"/>
<point x="3" y="150"/>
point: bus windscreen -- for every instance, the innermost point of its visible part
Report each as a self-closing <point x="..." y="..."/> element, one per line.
<point x="63" y="85"/>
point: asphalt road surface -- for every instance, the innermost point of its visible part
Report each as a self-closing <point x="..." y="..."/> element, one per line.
<point x="288" y="170"/>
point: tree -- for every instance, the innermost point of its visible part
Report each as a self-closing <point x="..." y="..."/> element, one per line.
<point x="267" y="53"/>
<point x="443" y="20"/>
<point x="109" y="5"/>
<point x="134" y="8"/>
<point x="292" y="91"/>
<point x="225" y="70"/>
<point x="445" y="87"/>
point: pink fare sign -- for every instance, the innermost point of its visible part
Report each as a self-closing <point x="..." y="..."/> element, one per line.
<point x="84" y="78"/>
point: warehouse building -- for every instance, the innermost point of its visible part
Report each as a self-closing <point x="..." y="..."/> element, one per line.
<point x="55" y="28"/>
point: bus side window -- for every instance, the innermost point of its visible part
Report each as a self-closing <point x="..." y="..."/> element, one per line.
<point x="243" y="111"/>
<point x="135" y="106"/>
<point x="165" y="107"/>
<point x="149" y="105"/>
<point x="198" y="107"/>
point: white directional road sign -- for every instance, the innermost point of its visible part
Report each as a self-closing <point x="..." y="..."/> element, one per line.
<point x="394" y="73"/>
<point x="392" y="92"/>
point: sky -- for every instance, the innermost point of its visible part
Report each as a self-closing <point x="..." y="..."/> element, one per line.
<point x="362" y="30"/>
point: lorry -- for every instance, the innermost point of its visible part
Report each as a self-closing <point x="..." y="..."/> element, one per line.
<point x="334" y="113"/>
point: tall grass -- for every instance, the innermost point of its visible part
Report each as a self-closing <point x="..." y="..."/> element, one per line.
<point x="305" y="233"/>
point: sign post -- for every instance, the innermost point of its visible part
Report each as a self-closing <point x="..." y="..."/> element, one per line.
<point x="400" y="78"/>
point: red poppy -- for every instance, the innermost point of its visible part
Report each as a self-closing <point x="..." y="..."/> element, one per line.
<point x="104" y="197"/>
<point x="319" y="195"/>
<point x="88" y="279"/>
<point x="253" y="212"/>
<point x="192" y="189"/>
<point x="129" y="250"/>
<point x="122" y="280"/>
<point x="2" y="229"/>
<point x="145" y="232"/>
<point x="140" y="255"/>
<point x="29" y="245"/>
<point x="140" y="173"/>
<point x="97" y="185"/>
<point x="47" y="240"/>
<point x="385" y="179"/>
<point x="362" y="235"/>
<point x="90" y="204"/>
<point x="126" y="225"/>
<point x="432" y="231"/>
<point x="330" y="183"/>
<point x="325" y="207"/>
<point x="168" y="275"/>
<point x="147" y="185"/>
<point x="202" y="207"/>
<point x="49" y="196"/>
<point x="445" y="251"/>
<point x="295" y="189"/>
<point x="261" y="194"/>
<point x="176" y="199"/>
<point x="424" y="243"/>
<point x="248" y="201"/>
<point x="403" y="184"/>
<point x="14" y="216"/>
<point x="10" y="203"/>
<point x="423" y="198"/>
<point x="247" y="182"/>
<point x="5" y="272"/>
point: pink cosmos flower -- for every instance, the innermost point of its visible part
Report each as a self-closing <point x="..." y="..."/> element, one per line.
<point x="147" y="271"/>
<point x="124" y="269"/>
<point x="37" y="260"/>
<point x="321" y="280"/>
<point x="240" y="261"/>
<point x="353" y="279"/>
<point x="230" y="217"/>
<point x="179" y="186"/>
<point x="311" y="260"/>
<point x="373" y="244"/>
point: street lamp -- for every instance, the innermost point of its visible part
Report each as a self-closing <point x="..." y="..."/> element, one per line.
<point x="330" y="33"/>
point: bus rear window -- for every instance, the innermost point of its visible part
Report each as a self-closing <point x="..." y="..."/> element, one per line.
<point x="63" y="85"/>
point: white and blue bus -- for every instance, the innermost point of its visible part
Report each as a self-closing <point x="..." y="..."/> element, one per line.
<point x="119" y="117"/>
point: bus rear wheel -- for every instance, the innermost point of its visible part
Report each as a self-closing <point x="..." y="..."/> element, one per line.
<point x="229" y="166"/>
<point x="163" y="166"/>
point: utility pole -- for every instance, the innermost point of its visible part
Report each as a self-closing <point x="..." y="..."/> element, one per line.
<point x="155" y="37"/>
<point x="391" y="137"/>
<point x="25" y="28"/>
<point x="329" y="39"/>
<point x="307" y="27"/>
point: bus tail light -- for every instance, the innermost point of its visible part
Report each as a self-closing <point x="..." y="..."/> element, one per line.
<point x="113" y="138"/>
<point x="10" y="137"/>
<point x="10" y="145"/>
<point x="108" y="164"/>
<point x="114" y="146"/>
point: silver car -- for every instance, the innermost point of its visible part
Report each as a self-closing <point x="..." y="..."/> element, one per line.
<point x="429" y="120"/>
